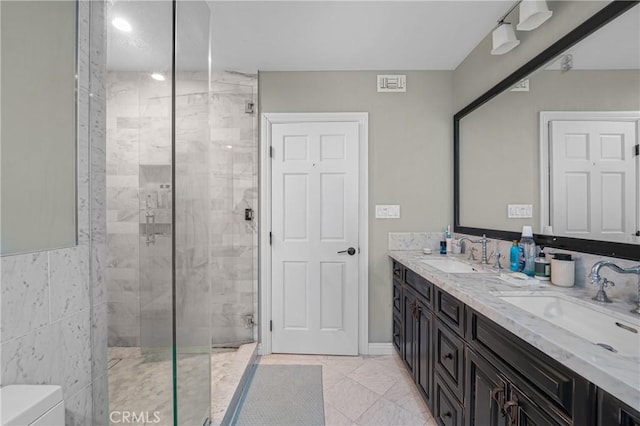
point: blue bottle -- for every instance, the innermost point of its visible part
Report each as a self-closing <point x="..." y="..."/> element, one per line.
<point x="514" y="257"/>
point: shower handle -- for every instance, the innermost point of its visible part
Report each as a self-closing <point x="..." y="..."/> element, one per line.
<point x="150" y="228"/>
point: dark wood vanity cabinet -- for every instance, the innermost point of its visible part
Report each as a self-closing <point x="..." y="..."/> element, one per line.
<point x="612" y="412"/>
<point x="472" y="372"/>
<point x="416" y="330"/>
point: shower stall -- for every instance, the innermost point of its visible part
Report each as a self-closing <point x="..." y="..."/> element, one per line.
<point x="181" y="202"/>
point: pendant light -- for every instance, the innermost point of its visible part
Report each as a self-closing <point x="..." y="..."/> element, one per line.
<point x="533" y="13"/>
<point x="503" y="38"/>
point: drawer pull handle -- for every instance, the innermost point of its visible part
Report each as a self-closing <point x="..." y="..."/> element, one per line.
<point x="447" y="356"/>
<point x="513" y="412"/>
<point x="448" y="414"/>
<point x="498" y="395"/>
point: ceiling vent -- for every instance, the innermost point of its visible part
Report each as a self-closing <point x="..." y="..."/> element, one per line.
<point x="392" y="83"/>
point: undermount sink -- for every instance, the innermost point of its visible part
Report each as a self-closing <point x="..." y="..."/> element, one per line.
<point x="446" y="264"/>
<point x="602" y="329"/>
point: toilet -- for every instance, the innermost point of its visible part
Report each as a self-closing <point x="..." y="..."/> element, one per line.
<point x="37" y="405"/>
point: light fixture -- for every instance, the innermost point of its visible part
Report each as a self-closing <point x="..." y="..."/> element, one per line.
<point x="533" y="13"/>
<point x="157" y="76"/>
<point x="503" y="38"/>
<point x="121" y="24"/>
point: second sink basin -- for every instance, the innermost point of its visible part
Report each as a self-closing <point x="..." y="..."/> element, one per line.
<point x="446" y="264"/>
<point x="603" y="329"/>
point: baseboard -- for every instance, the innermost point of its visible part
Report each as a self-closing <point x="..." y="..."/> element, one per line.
<point x="381" y="349"/>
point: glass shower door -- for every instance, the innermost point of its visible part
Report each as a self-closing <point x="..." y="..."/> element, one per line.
<point x="192" y="294"/>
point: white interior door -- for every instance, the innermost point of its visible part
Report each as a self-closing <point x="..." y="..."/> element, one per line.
<point x="314" y="223"/>
<point x="594" y="179"/>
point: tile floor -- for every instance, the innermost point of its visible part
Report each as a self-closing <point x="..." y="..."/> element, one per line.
<point x="138" y="384"/>
<point x="364" y="390"/>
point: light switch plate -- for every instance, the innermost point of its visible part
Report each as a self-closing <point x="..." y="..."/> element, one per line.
<point x="519" y="211"/>
<point x="387" y="211"/>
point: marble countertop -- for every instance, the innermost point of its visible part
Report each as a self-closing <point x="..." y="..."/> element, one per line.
<point x="616" y="374"/>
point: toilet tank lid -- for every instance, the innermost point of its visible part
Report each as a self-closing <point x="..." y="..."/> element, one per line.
<point x="23" y="404"/>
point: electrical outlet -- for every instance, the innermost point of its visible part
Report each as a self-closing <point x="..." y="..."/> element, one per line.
<point x="387" y="211"/>
<point x="519" y="211"/>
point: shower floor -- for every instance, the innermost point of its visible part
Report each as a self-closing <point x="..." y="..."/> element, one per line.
<point x="137" y="385"/>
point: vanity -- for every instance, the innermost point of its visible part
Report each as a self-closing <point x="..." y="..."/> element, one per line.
<point x="478" y="359"/>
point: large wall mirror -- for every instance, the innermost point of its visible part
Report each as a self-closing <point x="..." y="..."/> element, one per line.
<point x="556" y="142"/>
<point x="38" y="125"/>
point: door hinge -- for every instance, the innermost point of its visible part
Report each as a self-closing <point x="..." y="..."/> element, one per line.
<point x="270" y="325"/>
<point x="271" y="152"/>
<point x="637" y="149"/>
<point x="270" y="238"/>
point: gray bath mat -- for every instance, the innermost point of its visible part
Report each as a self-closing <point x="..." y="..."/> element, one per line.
<point x="282" y="395"/>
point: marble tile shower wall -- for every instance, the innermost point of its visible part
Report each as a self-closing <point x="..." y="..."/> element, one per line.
<point x="626" y="286"/>
<point x="234" y="188"/>
<point x="138" y="154"/>
<point x="138" y="142"/>
<point x="53" y="323"/>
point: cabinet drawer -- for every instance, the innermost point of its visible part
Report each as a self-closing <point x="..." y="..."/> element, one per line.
<point x="450" y="310"/>
<point x="397" y="271"/>
<point x="446" y="410"/>
<point x="449" y="358"/>
<point x="566" y="393"/>
<point x="421" y="285"/>
<point x="397" y="297"/>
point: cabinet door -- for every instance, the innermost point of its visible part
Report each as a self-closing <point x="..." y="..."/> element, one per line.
<point x="613" y="412"/>
<point x="485" y="392"/>
<point x="521" y="410"/>
<point x="424" y="353"/>
<point x="397" y="334"/>
<point x="408" y="330"/>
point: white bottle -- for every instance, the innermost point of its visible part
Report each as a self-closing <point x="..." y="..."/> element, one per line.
<point x="448" y="239"/>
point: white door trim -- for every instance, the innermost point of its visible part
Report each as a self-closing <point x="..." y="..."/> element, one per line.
<point x="545" y="118"/>
<point x="267" y="120"/>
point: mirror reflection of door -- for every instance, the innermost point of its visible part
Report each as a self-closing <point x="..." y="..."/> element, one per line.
<point x="594" y="179"/>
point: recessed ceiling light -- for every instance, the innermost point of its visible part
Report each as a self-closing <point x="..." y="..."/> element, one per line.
<point x="121" y="24"/>
<point x="229" y="147"/>
<point x="157" y="76"/>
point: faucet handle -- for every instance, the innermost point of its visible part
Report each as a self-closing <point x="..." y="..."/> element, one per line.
<point x="472" y="251"/>
<point x="607" y="283"/>
<point x="498" y="256"/>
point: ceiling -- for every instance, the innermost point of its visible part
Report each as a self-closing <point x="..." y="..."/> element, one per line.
<point x="302" y="35"/>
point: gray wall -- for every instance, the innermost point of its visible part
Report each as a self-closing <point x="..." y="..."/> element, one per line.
<point x="500" y="142"/>
<point x="54" y="318"/>
<point x="38" y="170"/>
<point x="410" y="155"/>
<point x="480" y="70"/>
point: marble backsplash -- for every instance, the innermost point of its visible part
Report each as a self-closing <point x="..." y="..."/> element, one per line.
<point x="626" y="286"/>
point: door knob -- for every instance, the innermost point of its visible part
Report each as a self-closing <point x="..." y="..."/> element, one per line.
<point x="350" y="251"/>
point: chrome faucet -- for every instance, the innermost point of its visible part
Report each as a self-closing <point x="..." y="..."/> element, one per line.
<point x="483" y="241"/>
<point x="601" y="296"/>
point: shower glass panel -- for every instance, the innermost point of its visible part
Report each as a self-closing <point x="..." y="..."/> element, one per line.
<point x="158" y="194"/>
<point x="192" y="304"/>
<point x="234" y="205"/>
